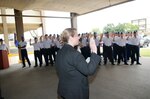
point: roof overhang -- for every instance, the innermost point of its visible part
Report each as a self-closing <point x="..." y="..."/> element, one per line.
<point x="75" y="6"/>
<point x="79" y="7"/>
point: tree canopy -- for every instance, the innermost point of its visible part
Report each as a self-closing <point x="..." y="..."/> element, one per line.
<point x="97" y="30"/>
<point x="125" y="27"/>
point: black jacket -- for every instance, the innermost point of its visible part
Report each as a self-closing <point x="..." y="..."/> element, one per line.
<point x="73" y="72"/>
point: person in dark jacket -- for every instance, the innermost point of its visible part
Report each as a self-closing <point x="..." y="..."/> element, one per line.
<point x="72" y="68"/>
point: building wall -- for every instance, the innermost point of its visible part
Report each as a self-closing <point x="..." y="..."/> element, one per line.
<point x="148" y="24"/>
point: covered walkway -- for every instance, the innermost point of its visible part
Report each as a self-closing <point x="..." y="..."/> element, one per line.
<point x="110" y="82"/>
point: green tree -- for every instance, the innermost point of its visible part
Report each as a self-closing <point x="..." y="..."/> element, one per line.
<point x="109" y="28"/>
<point x="124" y="27"/>
<point x="97" y="30"/>
<point x="130" y="27"/>
<point x="120" y="28"/>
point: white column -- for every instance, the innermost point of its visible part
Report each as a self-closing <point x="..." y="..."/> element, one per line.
<point x="43" y="23"/>
<point x="73" y="20"/>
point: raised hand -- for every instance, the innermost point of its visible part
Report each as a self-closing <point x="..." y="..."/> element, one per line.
<point x="93" y="45"/>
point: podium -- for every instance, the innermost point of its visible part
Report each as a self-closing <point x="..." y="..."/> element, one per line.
<point x="4" y="63"/>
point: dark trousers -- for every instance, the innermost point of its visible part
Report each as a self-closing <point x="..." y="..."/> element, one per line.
<point x="50" y="55"/>
<point x="98" y="53"/>
<point x="135" y="53"/>
<point x="122" y="54"/>
<point x="115" y="51"/>
<point x="53" y="51"/>
<point x="57" y="49"/>
<point x="42" y="54"/>
<point x="128" y="48"/>
<point x="107" y="53"/>
<point x="24" y="56"/>
<point x="46" y="53"/>
<point x="37" y="56"/>
<point x="98" y="50"/>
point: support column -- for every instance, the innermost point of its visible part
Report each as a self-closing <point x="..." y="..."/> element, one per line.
<point x="5" y="28"/>
<point x="43" y="23"/>
<point x="73" y="20"/>
<point x="19" y="27"/>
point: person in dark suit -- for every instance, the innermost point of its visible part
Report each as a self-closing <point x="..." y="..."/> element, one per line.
<point x="72" y="68"/>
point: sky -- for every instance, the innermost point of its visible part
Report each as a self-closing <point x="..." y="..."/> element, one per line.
<point x="122" y="13"/>
<point x="56" y="25"/>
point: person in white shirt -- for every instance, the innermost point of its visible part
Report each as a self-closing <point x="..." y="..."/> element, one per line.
<point x="122" y="49"/>
<point x="37" y="53"/>
<point x="115" y="45"/>
<point x="97" y="42"/>
<point x="47" y="50"/>
<point x="53" y="47"/>
<point x="107" y="48"/>
<point x="129" y="45"/>
<point x="24" y="55"/>
<point x="3" y="46"/>
<point x="42" y="47"/>
<point x="135" y="48"/>
<point x="58" y="43"/>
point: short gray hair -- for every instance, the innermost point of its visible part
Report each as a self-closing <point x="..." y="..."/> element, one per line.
<point x="66" y="33"/>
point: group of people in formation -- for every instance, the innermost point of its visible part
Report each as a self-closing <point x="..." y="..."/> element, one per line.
<point x="117" y="47"/>
<point x="47" y="47"/>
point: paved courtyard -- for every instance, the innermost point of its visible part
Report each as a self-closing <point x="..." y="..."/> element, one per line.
<point x="110" y="82"/>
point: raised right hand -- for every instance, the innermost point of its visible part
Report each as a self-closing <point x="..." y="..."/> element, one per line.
<point x="93" y="45"/>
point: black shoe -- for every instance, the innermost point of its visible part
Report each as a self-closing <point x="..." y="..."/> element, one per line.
<point x="23" y="66"/>
<point x="99" y="63"/>
<point x="126" y="64"/>
<point x="131" y="64"/>
<point x="112" y="64"/>
<point x="138" y="64"/>
<point x="40" y="65"/>
<point x="30" y="65"/>
<point x="35" y="66"/>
